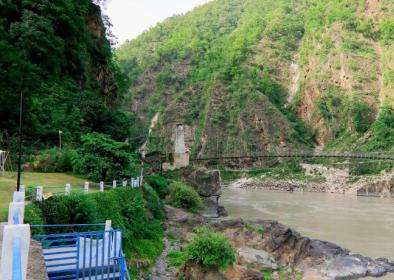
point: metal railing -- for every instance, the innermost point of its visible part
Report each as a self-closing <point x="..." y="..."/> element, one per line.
<point x="84" y="255"/>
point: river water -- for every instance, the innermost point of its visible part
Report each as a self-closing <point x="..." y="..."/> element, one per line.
<point x="363" y="225"/>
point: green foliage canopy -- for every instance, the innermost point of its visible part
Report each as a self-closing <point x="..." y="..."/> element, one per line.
<point x="56" y="53"/>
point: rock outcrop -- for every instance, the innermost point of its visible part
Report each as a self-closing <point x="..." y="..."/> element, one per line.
<point x="382" y="185"/>
<point x="267" y="244"/>
<point x="208" y="184"/>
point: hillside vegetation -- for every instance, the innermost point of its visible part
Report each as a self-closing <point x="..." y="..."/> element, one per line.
<point x="267" y="75"/>
<point x="56" y="53"/>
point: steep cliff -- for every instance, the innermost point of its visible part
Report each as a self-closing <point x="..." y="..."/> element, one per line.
<point x="267" y="75"/>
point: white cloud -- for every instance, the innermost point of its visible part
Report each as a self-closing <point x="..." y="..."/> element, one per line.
<point x="131" y="17"/>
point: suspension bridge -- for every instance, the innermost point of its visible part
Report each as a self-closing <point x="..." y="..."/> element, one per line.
<point x="255" y="155"/>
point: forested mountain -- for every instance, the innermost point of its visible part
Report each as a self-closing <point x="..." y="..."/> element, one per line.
<point x="267" y="74"/>
<point x="57" y="54"/>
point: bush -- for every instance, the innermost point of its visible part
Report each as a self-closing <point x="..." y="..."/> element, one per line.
<point x="211" y="249"/>
<point x="54" y="160"/>
<point x="176" y="258"/>
<point x="34" y="216"/>
<point x="362" y="116"/>
<point x="100" y="158"/>
<point x="387" y="31"/>
<point x="159" y="184"/>
<point x="153" y="201"/>
<point x="71" y="209"/>
<point x="184" y="196"/>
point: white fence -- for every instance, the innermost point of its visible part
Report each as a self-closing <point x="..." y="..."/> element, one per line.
<point x="38" y="194"/>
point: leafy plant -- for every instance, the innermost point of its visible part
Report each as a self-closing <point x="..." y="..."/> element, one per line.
<point x="177" y="258"/>
<point x="184" y="196"/>
<point x="101" y="158"/>
<point x="211" y="249"/>
<point x="159" y="184"/>
<point x="54" y="160"/>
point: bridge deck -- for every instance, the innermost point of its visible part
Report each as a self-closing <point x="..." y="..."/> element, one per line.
<point x="302" y="154"/>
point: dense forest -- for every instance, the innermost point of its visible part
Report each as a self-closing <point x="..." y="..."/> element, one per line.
<point x="267" y="75"/>
<point x="57" y="55"/>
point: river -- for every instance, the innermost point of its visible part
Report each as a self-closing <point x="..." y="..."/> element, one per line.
<point x="364" y="225"/>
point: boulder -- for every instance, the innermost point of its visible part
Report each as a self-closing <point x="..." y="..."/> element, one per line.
<point x="257" y="257"/>
<point x="205" y="182"/>
<point x="346" y="267"/>
<point x="222" y="212"/>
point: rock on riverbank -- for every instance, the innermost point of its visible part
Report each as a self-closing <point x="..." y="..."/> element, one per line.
<point x="268" y="245"/>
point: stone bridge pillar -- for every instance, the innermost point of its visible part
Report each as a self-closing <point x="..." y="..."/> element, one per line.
<point x="181" y="155"/>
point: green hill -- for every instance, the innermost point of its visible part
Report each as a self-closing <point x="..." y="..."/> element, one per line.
<point x="57" y="54"/>
<point x="268" y="75"/>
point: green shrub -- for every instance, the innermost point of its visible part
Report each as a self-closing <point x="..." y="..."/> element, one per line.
<point x="101" y="158"/>
<point x="34" y="216"/>
<point x="71" y="209"/>
<point x="362" y="116"/>
<point x="254" y="228"/>
<point x="211" y="249"/>
<point x="159" y="184"/>
<point x="154" y="203"/>
<point x="184" y="196"/>
<point x="387" y="31"/>
<point x="29" y="192"/>
<point x="54" y="160"/>
<point x="176" y="258"/>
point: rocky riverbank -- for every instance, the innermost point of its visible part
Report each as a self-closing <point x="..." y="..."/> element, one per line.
<point x="381" y="185"/>
<point x="265" y="245"/>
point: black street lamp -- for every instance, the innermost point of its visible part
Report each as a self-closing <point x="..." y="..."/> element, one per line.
<point x="18" y="182"/>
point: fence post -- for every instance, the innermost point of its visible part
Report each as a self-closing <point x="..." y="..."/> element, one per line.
<point x="16" y="241"/>
<point x="39" y="193"/>
<point x="18" y="197"/>
<point x="15" y="251"/>
<point x="108" y="225"/>
<point x="114" y="184"/>
<point x="101" y="186"/>
<point x="86" y="187"/>
<point x="141" y="175"/>
<point x="124" y="183"/>
<point x="16" y="212"/>
<point x="68" y="189"/>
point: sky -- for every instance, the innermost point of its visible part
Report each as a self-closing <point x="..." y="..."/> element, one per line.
<point x="132" y="17"/>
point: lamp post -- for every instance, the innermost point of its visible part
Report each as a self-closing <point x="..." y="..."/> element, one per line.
<point x="18" y="181"/>
<point x="60" y="139"/>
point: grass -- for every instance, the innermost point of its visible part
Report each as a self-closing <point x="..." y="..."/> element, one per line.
<point x="254" y="228"/>
<point x="56" y="182"/>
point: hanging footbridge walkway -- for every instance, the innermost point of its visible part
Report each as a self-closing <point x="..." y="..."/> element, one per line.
<point x="254" y="155"/>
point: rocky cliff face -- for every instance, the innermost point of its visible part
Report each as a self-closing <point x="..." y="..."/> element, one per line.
<point x="244" y="75"/>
